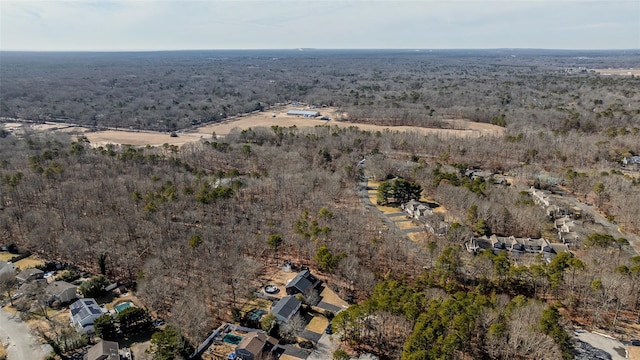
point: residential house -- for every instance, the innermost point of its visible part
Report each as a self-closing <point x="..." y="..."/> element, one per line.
<point x="254" y="344"/>
<point x="410" y="207"/>
<point x="104" y="350"/>
<point x="7" y="270"/>
<point x="566" y="230"/>
<point x="435" y="224"/>
<point x="304" y="283"/>
<point x="540" y="197"/>
<point x="61" y="291"/>
<point x="485" y="175"/>
<point x="416" y="209"/>
<point x="632" y="161"/>
<point x="286" y="308"/>
<point x="27" y="275"/>
<point x="515" y="245"/>
<point x="83" y="313"/>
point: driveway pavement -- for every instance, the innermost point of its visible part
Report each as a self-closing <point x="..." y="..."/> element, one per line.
<point x="610" y="228"/>
<point x="610" y="346"/>
<point x="17" y="338"/>
<point x="324" y="348"/>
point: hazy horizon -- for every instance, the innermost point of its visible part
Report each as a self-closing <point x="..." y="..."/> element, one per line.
<point x="169" y="25"/>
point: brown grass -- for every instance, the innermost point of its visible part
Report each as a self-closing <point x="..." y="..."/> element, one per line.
<point x="634" y="352"/>
<point x="3" y="352"/>
<point x="330" y="297"/>
<point x="627" y="72"/>
<point x="407" y="224"/>
<point x="29" y="262"/>
<point x="318" y="324"/>
<point x="137" y="138"/>
<point x="5" y="256"/>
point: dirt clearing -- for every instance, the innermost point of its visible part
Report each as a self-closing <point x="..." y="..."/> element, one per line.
<point x="459" y="127"/>
<point x="625" y="72"/>
<point x="136" y="138"/>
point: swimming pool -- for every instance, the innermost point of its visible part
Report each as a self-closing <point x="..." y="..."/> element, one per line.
<point x="232" y="339"/>
<point x="120" y="307"/>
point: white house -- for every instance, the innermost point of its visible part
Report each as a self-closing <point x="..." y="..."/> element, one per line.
<point x="83" y="313"/>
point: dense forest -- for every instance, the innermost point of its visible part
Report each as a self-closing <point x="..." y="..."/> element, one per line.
<point x="189" y="226"/>
<point x="173" y="90"/>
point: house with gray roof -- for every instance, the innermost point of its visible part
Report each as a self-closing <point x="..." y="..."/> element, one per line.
<point x="27" y="275"/>
<point x="104" y="350"/>
<point x="285" y="308"/>
<point x="304" y="283"/>
<point x="61" y="291"/>
<point x="83" y="313"/>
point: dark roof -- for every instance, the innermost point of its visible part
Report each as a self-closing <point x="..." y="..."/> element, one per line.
<point x="104" y="350"/>
<point x="256" y="342"/>
<point x="303" y="281"/>
<point x="286" y="307"/>
<point x="84" y="308"/>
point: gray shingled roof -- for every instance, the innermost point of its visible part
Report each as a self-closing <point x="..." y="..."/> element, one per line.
<point x="285" y="308"/>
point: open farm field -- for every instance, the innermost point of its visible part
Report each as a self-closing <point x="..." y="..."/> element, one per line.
<point x="136" y="138"/>
<point x="627" y="72"/>
<point x="459" y="127"/>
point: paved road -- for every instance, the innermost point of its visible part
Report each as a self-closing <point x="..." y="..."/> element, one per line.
<point x="613" y="347"/>
<point x="17" y="338"/>
<point x="612" y="229"/>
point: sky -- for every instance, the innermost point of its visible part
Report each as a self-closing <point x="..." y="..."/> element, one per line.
<point x="121" y="25"/>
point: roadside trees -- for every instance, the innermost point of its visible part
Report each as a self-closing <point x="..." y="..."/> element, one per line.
<point x="168" y="344"/>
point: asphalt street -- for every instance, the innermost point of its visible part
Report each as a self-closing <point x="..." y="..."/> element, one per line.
<point x="18" y="339"/>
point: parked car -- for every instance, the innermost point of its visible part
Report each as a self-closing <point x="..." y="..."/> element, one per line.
<point x="329" y="329"/>
<point x="635" y="342"/>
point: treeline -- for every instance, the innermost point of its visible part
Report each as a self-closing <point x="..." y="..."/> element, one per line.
<point x="167" y="91"/>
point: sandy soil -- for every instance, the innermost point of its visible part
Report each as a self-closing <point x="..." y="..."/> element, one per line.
<point x="634" y="352"/>
<point x="627" y="72"/>
<point x="136" y="138"/>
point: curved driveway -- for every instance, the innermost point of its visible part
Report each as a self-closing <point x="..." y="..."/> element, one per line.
<point x="17" y="338"/>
